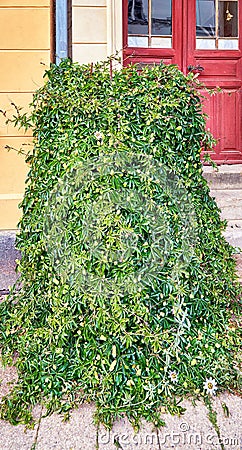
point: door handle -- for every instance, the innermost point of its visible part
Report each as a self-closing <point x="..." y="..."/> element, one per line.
<point x="197" y="68"/>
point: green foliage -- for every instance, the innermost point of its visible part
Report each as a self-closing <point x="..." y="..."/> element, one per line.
<point x="127" y="284"/>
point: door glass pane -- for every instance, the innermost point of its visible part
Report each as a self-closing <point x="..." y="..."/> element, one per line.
<point x="205" y="18"/>
<point x="228" y="44"/>
<point x="217" y="24"/>
<point x="161" y="42"/>
<point x="137" y="41"/>
<point x="206" y="44"/>
<point x="228" y="19"/>
<point x="138" y="17"/>
<point x="150" y="23"/>
<point x="161" y="17"/>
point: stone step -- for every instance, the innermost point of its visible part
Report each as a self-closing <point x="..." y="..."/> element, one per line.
<point x="234" y="237"/>
<point x="231" y="213"/>
<point x="238" y="259"/>
<point x="224" y="177"/>
<point x="233" y="233"/>
<point x="236" y="224"/>
<point x="230" y="203"/>
<point x="228" y="197"/>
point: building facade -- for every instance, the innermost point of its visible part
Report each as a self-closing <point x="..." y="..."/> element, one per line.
<point x="203" y="36"/>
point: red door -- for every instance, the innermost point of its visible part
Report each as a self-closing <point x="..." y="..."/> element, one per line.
<point x="200" y="35"/>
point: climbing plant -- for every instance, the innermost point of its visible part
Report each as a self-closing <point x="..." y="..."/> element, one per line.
<point x="127" y="293"/>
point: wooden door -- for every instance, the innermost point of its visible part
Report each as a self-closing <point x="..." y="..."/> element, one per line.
<point x="200" y="35"/>
<point x="217" y="48"/>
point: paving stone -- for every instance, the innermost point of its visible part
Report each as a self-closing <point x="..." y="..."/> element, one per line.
<point x="16" y="437"/>
<point x="194" y="431"/>
<point x="191" y="431"/>
<point x="8" y="377"/>
<point x="123" y="434"/>
<point x="8" y="255"/>
<point x="231" y="426"/>
<point x="79" y="433"/>
<point x="19" y="437"/>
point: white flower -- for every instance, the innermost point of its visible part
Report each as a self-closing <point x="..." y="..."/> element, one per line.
<point x="210" y="386"/>
<point x="173" y="376"/>
<point x="98" y="135"/>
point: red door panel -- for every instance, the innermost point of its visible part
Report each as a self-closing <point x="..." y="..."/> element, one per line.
<point x="224" y="121"/>
<point x="229" y="135"/>
<point x="215" y="69"/>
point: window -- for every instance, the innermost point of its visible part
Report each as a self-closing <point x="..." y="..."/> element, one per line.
<point x="150" y="23"/>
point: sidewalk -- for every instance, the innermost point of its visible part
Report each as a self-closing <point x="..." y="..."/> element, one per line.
<point x="192" y="431"/>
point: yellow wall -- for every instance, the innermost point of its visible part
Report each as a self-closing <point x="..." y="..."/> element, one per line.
<point x="24" y="45"/>
<point x="89" y="30"/>
<point x="96" y="29"/>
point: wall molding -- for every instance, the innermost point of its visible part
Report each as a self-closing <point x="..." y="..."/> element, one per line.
<point x="114" y="27"/>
